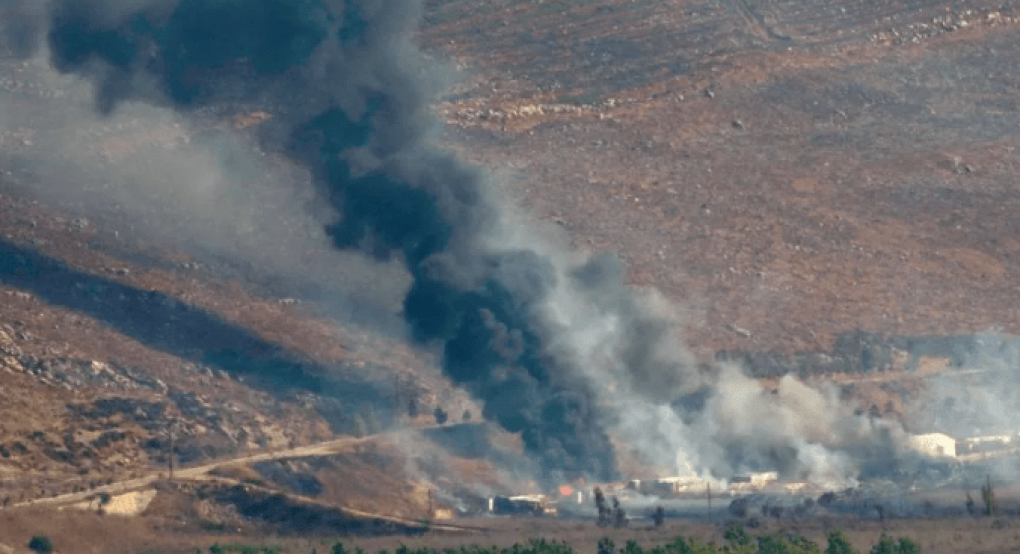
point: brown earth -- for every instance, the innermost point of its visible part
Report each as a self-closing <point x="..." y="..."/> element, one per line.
<point x="795" y="170"/>
<point x="786" y="173"/>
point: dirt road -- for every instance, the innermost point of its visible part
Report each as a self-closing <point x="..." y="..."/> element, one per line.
<point x="198" y="472"/>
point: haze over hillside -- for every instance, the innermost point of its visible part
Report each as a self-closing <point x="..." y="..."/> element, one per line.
<point x="802" y="187"/>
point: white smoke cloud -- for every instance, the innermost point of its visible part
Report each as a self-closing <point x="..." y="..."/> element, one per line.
<point x="189" y="181"/>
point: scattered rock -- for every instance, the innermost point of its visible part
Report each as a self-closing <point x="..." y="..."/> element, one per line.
<point x="742" y="332"/>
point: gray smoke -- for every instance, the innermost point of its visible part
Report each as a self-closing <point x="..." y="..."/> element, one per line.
<point x="554" y="343"/>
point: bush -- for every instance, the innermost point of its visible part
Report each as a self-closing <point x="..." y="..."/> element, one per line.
<point x="739" y="542"/>
<point x="735" y="534"/>
<point x="795" y="544"/>
<point x="771" y="544"/>
<point x="908" y="546"/>
<point x="886" y="545"/>
<point x="632" y="547"/>
<point x="838" y="544"/>
<point x="40" y="543"/>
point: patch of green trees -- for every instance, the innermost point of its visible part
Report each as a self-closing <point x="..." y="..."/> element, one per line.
<point x="737" y="541"/>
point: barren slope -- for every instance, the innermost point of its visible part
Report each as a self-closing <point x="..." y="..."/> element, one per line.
<point x="787" y="172"/>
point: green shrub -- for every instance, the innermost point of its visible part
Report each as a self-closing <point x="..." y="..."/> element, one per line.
<point x="217" y="549"/>
<point x="801" y="545"/>
<point x="736" y="535"/>
<point x="632" y="547"/>
<point x="771" y="544"/>
<point x="908" y="546"/>
<point x="988" y="497"/>
<point x="886" y="545"/>
<point x="838" y="543"/>
<point x="40" y="543"/>
<point x="702" y="548"/>
<point x="794" y="544"/>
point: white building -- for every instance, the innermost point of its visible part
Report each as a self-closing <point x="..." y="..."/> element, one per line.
<point x="934" y="444"/>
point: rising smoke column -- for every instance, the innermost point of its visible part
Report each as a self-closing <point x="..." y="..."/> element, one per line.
<point x="554" y="343"/>
<point x="352" y="93"/>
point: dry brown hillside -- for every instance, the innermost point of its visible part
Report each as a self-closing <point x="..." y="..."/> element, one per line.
<point x="796" y="176"/>
<point x="786" y="172"/>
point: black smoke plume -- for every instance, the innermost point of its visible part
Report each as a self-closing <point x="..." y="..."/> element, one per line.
<point x="352" y="96"/>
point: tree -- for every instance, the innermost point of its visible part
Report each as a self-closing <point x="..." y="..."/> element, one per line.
<point x="619" y="515"/>
<point x="40" y="543"/>
<point x="632" y="547"/>
<point x="908" y="546"/>
<point x="801" y="545"/>
<point x="988" y="497"/>
<point x="603" y="507"/>
<point x="771" y="544"/>
<point x="659" y="517"/>
<point x="971" y="507"/>
<point x="838" y="543"/>
<point x="735" y="534"/>
<point x="885" y="545"/>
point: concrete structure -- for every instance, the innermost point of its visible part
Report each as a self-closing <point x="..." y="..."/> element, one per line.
<point x="756" y="480"/>
<point x="974" y="445"/>
<point x="934" y="444"/>
<point x="533" y="504"/>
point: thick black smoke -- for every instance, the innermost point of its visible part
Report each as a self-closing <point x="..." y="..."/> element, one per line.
<point x="352" y="93"/>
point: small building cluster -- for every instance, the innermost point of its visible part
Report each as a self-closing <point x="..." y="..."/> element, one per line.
<point x="934" y="444"/>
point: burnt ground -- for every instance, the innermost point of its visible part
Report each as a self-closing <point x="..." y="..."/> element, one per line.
<point x="787" y="173"/>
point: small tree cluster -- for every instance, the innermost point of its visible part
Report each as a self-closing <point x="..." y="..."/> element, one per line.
<point x="737" y="539"/>
<point x="988" y="497"/>
<point x="40" y="543"/>
<point x="888" y="545"/>
<point x="615" y="515"/>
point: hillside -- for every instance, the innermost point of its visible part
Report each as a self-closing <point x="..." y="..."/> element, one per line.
<point x="787" y="172"/>
<point x="810" y="184"/>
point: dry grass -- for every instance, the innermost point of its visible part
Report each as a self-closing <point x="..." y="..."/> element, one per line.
<point x="112" y="535"/>
<point x="75" y="532"/>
